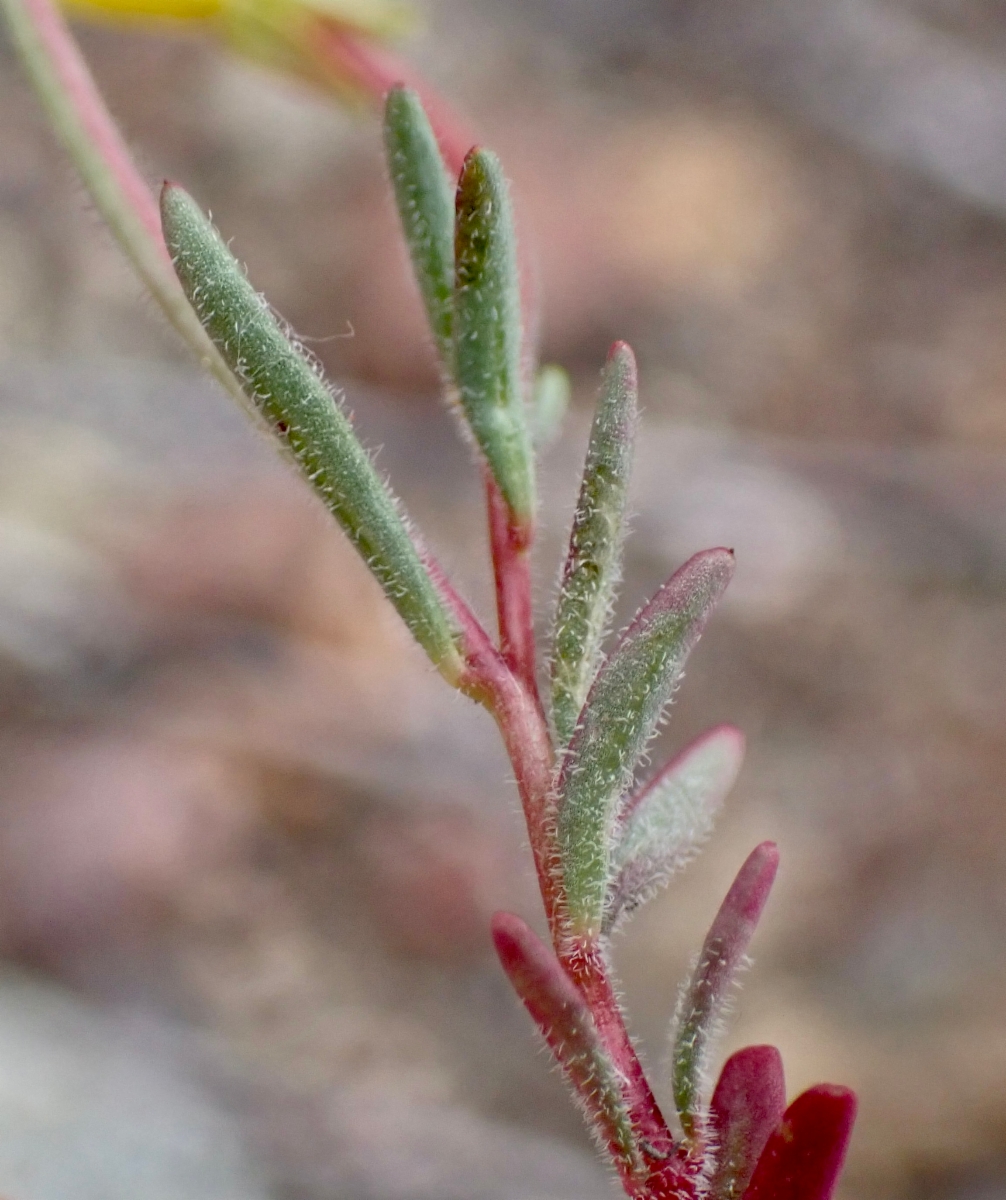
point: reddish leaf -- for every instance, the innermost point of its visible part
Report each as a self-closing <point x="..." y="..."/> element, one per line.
<point x="804" y="1156"/>
<point x="559" y="1010"/>
<point x="702" y="1003"/>
<point x="747" y="1106"/>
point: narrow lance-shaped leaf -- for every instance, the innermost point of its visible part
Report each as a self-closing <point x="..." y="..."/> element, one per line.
<point x="425" y="197"/>
<point x="549" y="402"/>
<point x="487" y="330"/>
<point x="593" y="563"/>
<point x="804" y="1155"/>
<point x="300" y="407"/>
<point x="703" y="1001"/>
<point x="746" y="1108"/>
<point x="561" y="1014"/>
<point x="661" y="826"/>
<point x="619" y="717"/>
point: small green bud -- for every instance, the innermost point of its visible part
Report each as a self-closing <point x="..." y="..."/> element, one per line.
<point x="425" y="198"/>
<point x="487" y="330"/>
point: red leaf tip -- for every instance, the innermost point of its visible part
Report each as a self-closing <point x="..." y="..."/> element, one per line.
<point x="804" y="1155"/>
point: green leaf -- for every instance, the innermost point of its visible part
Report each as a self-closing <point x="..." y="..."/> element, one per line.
<point x="487" y="330"/>
<point x="305" y="416"/>
<point x="700" y="1009"/>
<point x="593" y="564"/>
<point x="549" y="403"/>
<point x="619" y="717"/>
<point x="425" y="197"/>
<point x="661" y="826"/>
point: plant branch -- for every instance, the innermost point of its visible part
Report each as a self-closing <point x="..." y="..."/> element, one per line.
<point x="510" y="542"/>
<point x="375" y="70"/>
<point x="78" y="114"/>
<point x="585" y="963"/>
<point x="490" y="682"/>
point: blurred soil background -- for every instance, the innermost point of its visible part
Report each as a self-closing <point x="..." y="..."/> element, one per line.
<point x="249" y="845"/>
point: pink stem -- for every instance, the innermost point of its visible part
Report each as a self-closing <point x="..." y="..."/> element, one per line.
<point x="587" y="968"/>
<point x="518" y="714"/>
<point x="375" y="69"/>
<point x="511" y="546"/>
<point x="559" y="1009"/>
<point x="89" y="105"/>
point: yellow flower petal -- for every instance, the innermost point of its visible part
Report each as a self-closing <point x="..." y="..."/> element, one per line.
<point x="143" y="11"/>
<point x="252" y="21"/>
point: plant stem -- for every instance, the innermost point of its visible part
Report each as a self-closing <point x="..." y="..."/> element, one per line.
<point x="375" y="70"/>
<point x="586" y="966"/>
<point x="511" y="547"/>
<point x="523" y="728"/>
<point x="78" y="113"/>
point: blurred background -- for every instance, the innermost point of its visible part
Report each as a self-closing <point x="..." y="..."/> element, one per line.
<point x="249" y="845"/>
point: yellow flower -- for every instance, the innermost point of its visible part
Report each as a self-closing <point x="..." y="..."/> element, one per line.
<point x="301" y="37"/>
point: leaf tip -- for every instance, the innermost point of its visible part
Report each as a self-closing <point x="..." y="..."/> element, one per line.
<point x="804" y="1156"/>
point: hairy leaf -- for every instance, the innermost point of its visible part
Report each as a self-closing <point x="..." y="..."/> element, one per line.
<point x="593" y="563"/>
<point x="487" y="330"/>
<point x="300" y="407"/>
<point x="661" y="826"/>
<point x="804" y="1155"/>
<point x="559" y="1010"/>
<point x="619" y="717"/>
<point x="425" y="198"/>
<point x="703" y="1001"/>
<point x="746" y="1107"/>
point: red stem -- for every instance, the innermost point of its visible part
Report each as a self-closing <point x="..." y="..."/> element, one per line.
<point x="522" y="725"/>
<point x="586" y="966"/>
<point x="375" y="69"/>
<point x="510" y="542"/>
<point x="89" y="105"/>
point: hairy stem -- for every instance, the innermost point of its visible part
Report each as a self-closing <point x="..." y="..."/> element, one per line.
<point x="585" y="963"/>
<point x="511" y="553"/>
<point x="489" y="681"/>
<point x="78" y="114"/>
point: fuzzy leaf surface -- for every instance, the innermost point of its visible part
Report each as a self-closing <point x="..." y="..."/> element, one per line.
<point x="593" y="563"/>
<point x="804" y="1155"/>
<point x="425" y="198"/>
<point x="746" y="1108"/>
<point x="703" y="1001"/>
<point x="487" y="329"/>
<point x="561" y="1014"/>
<point x="302" y="410"/>
<point x="621" y="713"/>
<point x="662" y="825"/>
